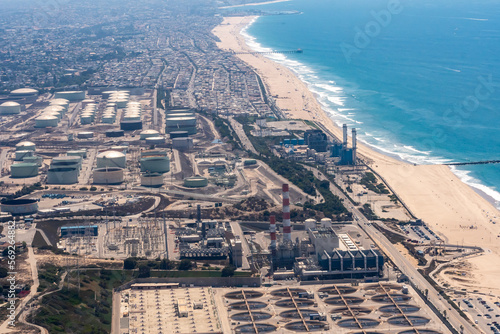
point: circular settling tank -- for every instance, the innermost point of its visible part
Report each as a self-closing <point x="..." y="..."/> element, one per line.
<point x="300" y="303"/>
<point x="284" y="292"/>
<point x="415" y="320"/>
<point x="339" y="301"/>
<point x="298" y="326"/>
<point x="245" y="316"/>
<point x="262" y="328"/>
<point x="420" y="331"/>
<point x="293" y="314"/>
<point x="393" y="309"/>
<point x="253" y="305"/>
<point x="345" y="290"/>
<point x="249" y="294"/>
<point x="397" y="297"/>
<point x="356" y="310"/>
<point x="352" y="323"/>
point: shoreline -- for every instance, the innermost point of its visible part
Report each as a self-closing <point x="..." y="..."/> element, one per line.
<point x="432" y="192"/>
<point x="253" y="4"/>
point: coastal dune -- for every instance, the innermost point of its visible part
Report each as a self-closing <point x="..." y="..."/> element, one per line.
<point x="432" y="192"/>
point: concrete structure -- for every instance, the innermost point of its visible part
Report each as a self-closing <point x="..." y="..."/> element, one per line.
<point x="71" y="95"/>
<point x="10" y="108"/>
<point x="149" y="133"/>
<point x="25" y="146"/>
<point x="20" y="207"/>
<point x="23" y="170"/>
<point x="62" y="175"/>
<point x="111" y="159"/>
<point x="182" y="144"/>
<point x="195" y="182"/>
<point x="151" y="179"/>
<point x="46" y="121"/>
<point x="108" y="175"/>
<point x="155" y="164"/>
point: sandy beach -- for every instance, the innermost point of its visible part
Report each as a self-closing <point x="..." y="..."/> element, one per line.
<point x="432" y="192"/>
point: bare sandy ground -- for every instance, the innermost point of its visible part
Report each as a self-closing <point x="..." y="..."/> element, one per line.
<point x="432" y="192"/>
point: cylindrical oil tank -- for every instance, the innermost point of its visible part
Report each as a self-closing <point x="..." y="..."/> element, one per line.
<point x="52" y="113"/>
<point x="85" y="119"/>
<point x="195" y="182"/>
<point x="108" y="175"/>
<point x="155" y="164"/>
<point x="131" y="117"/>
<point x="46" y="121"/>
<point x="67" y="161"/>
<point x="152" y="180"/>
<point x="310" y="224"/>
<point x="111" y="105"/>
<point x="57" y="108"/>
<point x="24" y="170"/>
<point x="77" y="153"/>
<point x="149" y="133"/>
<point x="25" y="146"/>
<point x="130" y="125"/>
<point x="60" y="102"/>
<point x="115" y="133"/>
<point x="158" y="140"/>
<point x="24" y="92"/>
<point x="85" y="135"/>
<point x="178" y="134"/>
<point x="34" y="159"/>
<point x="181" y="124"/>
<point x="10" y="108"/>
<point x="20" y="155"/>
<point x="121" y="102"/>
<point x="22" y="206"/>
<point x="71" y="95"/>
<point x="62" y="175"/>
<point x="111" y="159"/>
<point x="182" y="144"/>
<point x="86" y="102"/>
<point x="107" y="94"/>
<point x="179" y="110"/>
<point x="326" y="222"/>
<point x="108" y="119"/>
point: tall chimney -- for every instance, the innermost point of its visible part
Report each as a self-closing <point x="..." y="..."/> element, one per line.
<point x="272" y="230"/>
<point x="198" y="213"/>
<point x="287" y="235"/>
<point x="354" y="144"/>
<point x="344" y="140"/>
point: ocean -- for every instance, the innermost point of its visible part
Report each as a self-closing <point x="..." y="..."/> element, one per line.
<point x="420" y="80"/>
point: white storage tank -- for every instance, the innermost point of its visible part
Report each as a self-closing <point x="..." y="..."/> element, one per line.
<point x="108" y="175"/>
<point x="20" y="155"/>
<point x="108" y="119"/>
<point x="24" y="93"/>
<point x="182" y="143"/>
<point x="310" y="224"/>
<point x="46" y="121"/>
<point x="71" y="95"/>
<point x="23" y="170"/>
<point x="149" y="133"/>
<point x="78" y="153"/>
<point x="10" y="108"/>
<point x="55" y="108"/>
<point x="155" y="164"/>
<point x="62" y="175"/>
<point x="326" y="222"/>
<point x="25" y="146"/>
<point x="60" y="102"/>
<point x="181" y="124"/>
<point x="152" y="180"/>
<point x="158" y="140"/>
<point x="85" y="135"/>
<point x="111" y="159"/>
<point x="52" y="113"/>
<point x="86" y="102"/>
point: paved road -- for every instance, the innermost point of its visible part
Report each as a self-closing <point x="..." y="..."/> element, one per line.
<point x="238" y="129"/>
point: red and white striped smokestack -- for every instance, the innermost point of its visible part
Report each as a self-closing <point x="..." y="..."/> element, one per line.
<point x="287" y="233"/>
<point x="272" y="230"/>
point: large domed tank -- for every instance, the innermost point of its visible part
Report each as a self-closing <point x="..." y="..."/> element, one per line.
<point x="10" y="108"/>
<point x="46" y="121"/>
<point x="25" y="146"/>
<point x="149" y="133"/>
<point x="111" y="159"/>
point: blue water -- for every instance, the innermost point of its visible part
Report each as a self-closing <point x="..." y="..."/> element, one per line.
<point x="423" y="84"/>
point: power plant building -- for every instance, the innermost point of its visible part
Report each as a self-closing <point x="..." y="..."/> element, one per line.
<point x="316" y="140"/>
